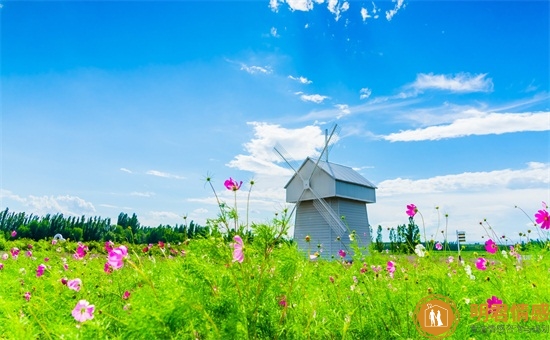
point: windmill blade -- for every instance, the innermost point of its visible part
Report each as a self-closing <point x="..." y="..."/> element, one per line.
<point x="282" y="152"/>
<point x="334" y="221"/>
<point x="325" y="213"/>
<point x="327" y="142"/>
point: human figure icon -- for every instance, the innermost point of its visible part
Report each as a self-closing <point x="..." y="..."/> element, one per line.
<point x="432" y="318"/>
<point x="438" y="317"/>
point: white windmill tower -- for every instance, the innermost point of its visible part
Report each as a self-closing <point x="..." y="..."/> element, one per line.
<point x="330" y="203"/>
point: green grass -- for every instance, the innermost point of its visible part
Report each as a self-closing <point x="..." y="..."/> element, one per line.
<point x="276" y="293"/>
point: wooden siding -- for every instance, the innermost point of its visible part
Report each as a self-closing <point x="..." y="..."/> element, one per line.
<point x="310" y="222"/>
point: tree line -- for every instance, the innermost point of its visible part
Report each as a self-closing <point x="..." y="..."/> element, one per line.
<point x="85" y="229"/>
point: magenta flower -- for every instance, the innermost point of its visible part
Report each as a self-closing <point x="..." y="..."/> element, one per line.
<point x="1" y="266"/>
<point x="13" y="234"/>
<point x="46" y="259"/>
<point x="543" y="218"/>
<point x="54" y="242"/>
<point x="109" y="246"/>
<point x="81" y="251"/>
<point x="14" y="253"/>
<point x="342" y="253"/>
<point x="27" y="296"/>
<point x="491" y="246"/>
<point x="83" y="311"/>
<point x="65" y="266"/>
<point x="391" y="268"/>
<point x="107" y="269"/>
<point x="74" y="284"/>
<point x="64" y="281"/>
<point x="40" y="270"/>
<point x="126" y="295"/>
<point x="28" y="253"/>
<point x="116" y="257"/>
<point x="481" y="263"/>
<point x="238" y="246"/>
<point x="438" y="246"/>
<point x="231" y="184"/>
<point x="411" y="210"/>
<point x="282" y="301"/>
<point x="493" y="301"/>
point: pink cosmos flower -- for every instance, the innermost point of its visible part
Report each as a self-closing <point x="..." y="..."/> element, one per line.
<point x="27" y="296"/>
<point x="161" y="244"/>
<point x="64" y="281"/>
<point x="543" y="218"/>
<point x="107" y="269"/>
<point x="342" y="253"/>
<point x="126" y="295"/>
<point x="14" y="253"/>
<point x="1" y="266"/>
<point x="109" y="246"/>
<point x="438" y="246"/>
<point x="376" y="269"/>
<point x="83" y="311"/>
<point x="65" y="266"/>
<point x="491" y="246"/>
<point x="40" y="270"/>
<point x="282" y="302"/>
<point x="493" y="301"/>
<point x="5" y="256"/>
<point x="46" y="259"/>
<point x="481" y="263"/>
<point x="28" y="253"/>
<point x="116" y="257"/>
<point x="391" y="268"/>
<point x="54" y="242"/>
<point x="29" y="246"/>
<point x="238" y="246"/>
<point x="411" y="210"/>
<point x="74" y="284"/>
<point x="81" y="251"/>
<point x="231" y="184"/>
<point x="13" y="233"/>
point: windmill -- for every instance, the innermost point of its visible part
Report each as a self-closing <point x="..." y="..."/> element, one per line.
<point x="330" y="203"/>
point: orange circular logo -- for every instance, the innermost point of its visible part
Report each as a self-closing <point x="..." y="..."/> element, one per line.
<point x="436" y="316"/>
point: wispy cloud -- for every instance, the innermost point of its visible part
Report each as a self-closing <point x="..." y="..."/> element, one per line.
<point x="364" y="93"/>
<point x="344" y="110"/>
<point x="462" y="82"/>
<point x="300" y="79"/>
<point x="314" y="98"/>
<point x="336" y="8"/>
<point x="392" y="12"/>
<point x="126" y="170"/>
<point x="142" y="194"/>
<point x="40" y="205"/>
<point x="256" y="69"/>
<point x="273" y="32"/>
<point x="478" y="123"/>
<point x="163" y="174"/>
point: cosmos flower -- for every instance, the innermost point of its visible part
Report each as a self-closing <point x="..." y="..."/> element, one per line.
<point x="83" y="311"/>
<point x="238" y="249"/>
<point x="543" y="218"/>
<point x="232" y="185"/>
<point x="411" y="210"/>
<point x="491" y="246"/>
<point x="481" y="263"/>
<point x="74" y="284"/>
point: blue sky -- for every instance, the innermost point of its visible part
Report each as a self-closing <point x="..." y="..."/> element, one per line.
<point x="112" y="107"/>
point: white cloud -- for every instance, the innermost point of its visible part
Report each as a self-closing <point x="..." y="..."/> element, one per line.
<point x="364" y="93"/>
<point x="365" y="14"/>
<point x="256" y="69"/>
<point x="142" y="194"/>
<point x="273" y="32"/>
<point x="477" y="123"/>
<point x="392" y="12"/>
<point x="163" y="174"/>
<point x="274" y="5"/>
<point x="300" y="5"/>
<point x="344" y="110"/>
<point x="300" y="79"/>
<point x="335" y="8"/>
<point x="468" y="198"/>
<point x="462" y="82"/>
<point x="41" y="205"/>
<point x="125" y="170"/>
<point x="315" y="98"/>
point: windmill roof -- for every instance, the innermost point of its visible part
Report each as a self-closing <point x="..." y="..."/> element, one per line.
<point x="339" y="173"/>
